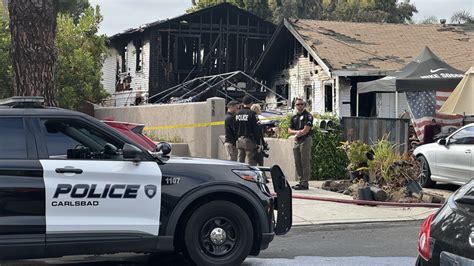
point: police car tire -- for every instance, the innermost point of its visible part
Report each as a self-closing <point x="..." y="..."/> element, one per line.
<point x="243" y="233"/>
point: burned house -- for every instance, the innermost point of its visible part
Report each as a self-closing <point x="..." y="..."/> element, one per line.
<point x="157" y="56"/>
<point x="323" y="61"/>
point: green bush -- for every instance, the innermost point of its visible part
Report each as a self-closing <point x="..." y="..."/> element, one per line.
<point x="283" y="127"/>
<point x="356" y="152"/>
<point x="385" y="155"/>
<point x="328" y="161"/>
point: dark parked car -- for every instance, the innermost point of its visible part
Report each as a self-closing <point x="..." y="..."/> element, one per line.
<point x="447" y="236"/>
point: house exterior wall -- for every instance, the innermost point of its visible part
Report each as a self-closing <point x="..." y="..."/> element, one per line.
<point x="139" y="79"/>
<point x="301" y="73"/>
<point x="344" y="97"/>
<point x="109" y="70"/>
<point x="386" y="105"/>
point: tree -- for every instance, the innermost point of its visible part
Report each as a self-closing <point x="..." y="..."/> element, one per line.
<point x="256" y="7"/>
<point x="33" y="30"/>
<point x="461" y="17"/>
<point x="304" y="9"/>
<point x="429" y="20"/>
<point x="6" y="77"/>
<point x="73" y="7"/>
<point x="80" y="57"/>
<point x="386" y="11"/>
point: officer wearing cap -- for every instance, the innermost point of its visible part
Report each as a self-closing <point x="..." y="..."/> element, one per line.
<point x="247" y="132"/>
<point x="230" y="132"/>
<point x="301" y="127"/>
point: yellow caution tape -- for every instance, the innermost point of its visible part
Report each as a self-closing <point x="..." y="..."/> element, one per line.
<point x="206" y="124"/>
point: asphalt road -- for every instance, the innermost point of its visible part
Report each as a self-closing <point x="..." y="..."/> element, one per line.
<point x="349" y="244"/>
<point x="397" y="239"/>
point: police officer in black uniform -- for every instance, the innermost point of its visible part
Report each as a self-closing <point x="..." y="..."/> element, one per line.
<point x="302" y="128"/>
<point x="230" y="132"/>
<point x="247" y="132"/>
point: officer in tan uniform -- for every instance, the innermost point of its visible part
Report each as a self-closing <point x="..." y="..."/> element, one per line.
<point x="301" y="127"/>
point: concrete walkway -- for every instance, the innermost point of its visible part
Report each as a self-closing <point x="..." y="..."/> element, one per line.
<point x="308" y="212"/>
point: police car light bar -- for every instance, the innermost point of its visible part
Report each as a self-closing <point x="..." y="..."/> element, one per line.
<point x="22" y="100"/>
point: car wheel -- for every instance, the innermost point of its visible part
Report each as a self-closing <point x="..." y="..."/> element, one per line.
<point x="218" y="233"/>
<point x="425" y="175"/>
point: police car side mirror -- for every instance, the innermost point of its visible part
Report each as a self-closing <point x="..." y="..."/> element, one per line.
<point x="130" y="152"/>
<point x="163" y="147"/>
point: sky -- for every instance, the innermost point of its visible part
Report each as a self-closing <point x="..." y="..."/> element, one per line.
<point x="120" y="15"/>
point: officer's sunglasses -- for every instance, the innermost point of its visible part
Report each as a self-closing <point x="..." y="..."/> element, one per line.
<point x="298" y="104"/>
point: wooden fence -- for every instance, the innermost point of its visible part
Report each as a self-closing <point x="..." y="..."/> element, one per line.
<point x="371" y="129"/>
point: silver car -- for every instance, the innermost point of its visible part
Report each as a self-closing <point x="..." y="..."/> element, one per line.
<point x="449" y="160"/>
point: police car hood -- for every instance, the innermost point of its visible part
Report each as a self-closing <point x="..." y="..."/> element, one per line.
<point x="203" y="161"/>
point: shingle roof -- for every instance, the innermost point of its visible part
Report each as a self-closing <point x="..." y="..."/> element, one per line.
<point x="376" y="46"/>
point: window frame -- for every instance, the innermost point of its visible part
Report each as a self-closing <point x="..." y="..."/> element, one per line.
<point x="31" y="152"/>
<point x="452" y="138"/>
<point x="41" y="138"/>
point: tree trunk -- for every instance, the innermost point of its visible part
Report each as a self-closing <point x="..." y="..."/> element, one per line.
<point x="33" y="29"/>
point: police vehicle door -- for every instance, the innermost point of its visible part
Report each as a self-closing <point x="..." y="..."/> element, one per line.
<point x="91" y="188"/>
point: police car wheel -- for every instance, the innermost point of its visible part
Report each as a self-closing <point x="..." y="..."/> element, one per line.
<point x="218" y="233"/>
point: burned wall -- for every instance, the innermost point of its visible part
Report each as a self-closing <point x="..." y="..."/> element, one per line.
<point x="208" y="42"/>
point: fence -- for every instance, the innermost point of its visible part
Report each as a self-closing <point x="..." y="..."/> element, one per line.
<point x="371" y="129"/>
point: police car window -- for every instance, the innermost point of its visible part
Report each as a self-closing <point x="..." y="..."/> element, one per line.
<point x="12" y="139"/>
<point x="465" y="136"/>
<point x="75" y="140"/>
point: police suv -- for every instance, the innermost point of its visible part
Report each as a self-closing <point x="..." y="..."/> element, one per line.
<point x="71" y="185"/>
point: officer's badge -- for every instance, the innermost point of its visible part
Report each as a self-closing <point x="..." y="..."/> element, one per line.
<point x="150" y="191"/>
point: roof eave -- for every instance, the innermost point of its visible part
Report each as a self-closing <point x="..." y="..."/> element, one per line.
<point x="357" y="73"/>
<point x="310" y="50"/>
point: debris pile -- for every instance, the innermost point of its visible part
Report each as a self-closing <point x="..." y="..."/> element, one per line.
<point x="380" y="173"/>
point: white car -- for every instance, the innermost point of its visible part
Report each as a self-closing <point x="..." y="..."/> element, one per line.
<point x="449" y="160"/>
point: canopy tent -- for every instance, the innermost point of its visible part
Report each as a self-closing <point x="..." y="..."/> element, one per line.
<point x="427" y="87"/>
<point x="427" y="82"/>
<point x="430" y="73"/>
<point x="387" y="84"/>
<point x="461" y="99"/>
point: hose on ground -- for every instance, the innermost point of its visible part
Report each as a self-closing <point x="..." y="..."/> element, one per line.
<point x="368" y="202"/>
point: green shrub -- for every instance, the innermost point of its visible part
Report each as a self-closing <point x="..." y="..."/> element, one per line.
<point x="283" y="127"/>
<point x="385" y="155"/>
<point x="328" y="161"/>
<point x="167" y="138"/>
<point x="356" y="152"/>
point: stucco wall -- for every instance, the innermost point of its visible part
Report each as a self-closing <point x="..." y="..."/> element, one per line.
<point x="202" y="140"/>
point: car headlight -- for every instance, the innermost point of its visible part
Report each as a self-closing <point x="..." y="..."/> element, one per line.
<point x="250" y="175"/>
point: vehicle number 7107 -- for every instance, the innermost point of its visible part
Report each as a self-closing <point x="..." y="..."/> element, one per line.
<point x="172" y="180"/>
